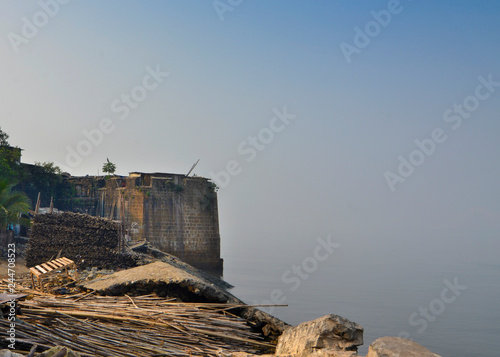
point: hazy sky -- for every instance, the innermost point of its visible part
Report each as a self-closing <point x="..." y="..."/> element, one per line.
<point x="314" y="107"/>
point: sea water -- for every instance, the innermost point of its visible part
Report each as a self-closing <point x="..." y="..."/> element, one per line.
<point x="453" y="309"/>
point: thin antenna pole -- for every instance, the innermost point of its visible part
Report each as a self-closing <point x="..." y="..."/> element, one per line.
<point x="192" y="167"/>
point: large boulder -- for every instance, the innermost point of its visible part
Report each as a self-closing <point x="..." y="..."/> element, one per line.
<point x="398" y="347"/>
<point x="330" y="335"/>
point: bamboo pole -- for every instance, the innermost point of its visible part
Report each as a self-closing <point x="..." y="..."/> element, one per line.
<point x="136" y="326"/>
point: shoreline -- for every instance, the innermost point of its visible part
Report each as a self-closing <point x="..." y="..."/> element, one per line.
<point x="170" y="276"/>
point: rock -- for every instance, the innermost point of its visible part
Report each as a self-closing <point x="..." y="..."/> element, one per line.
<point x="330" y="335"/>
<point x="59" y="351"/>
<point x="9" y="353"/>
<point x="398" y="347"/>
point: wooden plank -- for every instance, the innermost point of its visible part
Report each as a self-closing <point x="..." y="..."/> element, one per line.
<point x="47" y="267"/>
<point x="9" y="297"/>
<point x="57" y="264"/>
<point x="35" y="272"/>
<point x="50" y="268"/>
<point x="52" y="265"/>
<point x="65" y="266"/>
<point x="63" y="261"/>
<point x="42" y="270"/>
<point x="66" y="260"/>
<point x="60" y="262"/>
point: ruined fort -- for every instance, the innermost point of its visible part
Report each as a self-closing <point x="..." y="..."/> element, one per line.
<point x="175" y="213"/>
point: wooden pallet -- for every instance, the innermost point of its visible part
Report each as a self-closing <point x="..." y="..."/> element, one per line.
<point x="53" y="267"/>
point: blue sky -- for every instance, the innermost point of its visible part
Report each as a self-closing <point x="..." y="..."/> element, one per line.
<point x="324" y="173"/>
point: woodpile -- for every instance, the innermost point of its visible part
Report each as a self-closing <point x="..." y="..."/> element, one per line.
<point x="134" y="326"/>
<point x="88" y="241"/>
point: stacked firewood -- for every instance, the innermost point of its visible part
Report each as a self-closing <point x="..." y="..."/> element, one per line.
<point x="88" y="241"/>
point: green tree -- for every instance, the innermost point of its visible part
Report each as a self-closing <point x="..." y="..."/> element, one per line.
<point x="6" y="171"/>
<point x="9" y="159"/>
<point x="109" y="167"/>
<point x="49" y="167"/>
<point x="11" y="204"/>
<point x="44" y="178"/>
<point x="3" y="138"/>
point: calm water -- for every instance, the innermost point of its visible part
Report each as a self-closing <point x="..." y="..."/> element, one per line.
<point x="382" y="297"/>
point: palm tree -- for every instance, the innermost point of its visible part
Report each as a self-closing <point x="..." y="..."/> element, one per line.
<point x="109" y="167"/>
<point x="11" y="204"/>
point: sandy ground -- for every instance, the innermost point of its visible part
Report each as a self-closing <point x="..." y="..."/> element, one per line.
<point x="20" y="268"/>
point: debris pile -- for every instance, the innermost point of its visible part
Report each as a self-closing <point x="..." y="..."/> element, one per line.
<point x="134" y="326"/>
<point x="88" y="241"/>
<point x="169" y="280"/>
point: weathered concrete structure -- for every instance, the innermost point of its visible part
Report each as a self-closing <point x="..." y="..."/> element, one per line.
<point x="175" y="213"/>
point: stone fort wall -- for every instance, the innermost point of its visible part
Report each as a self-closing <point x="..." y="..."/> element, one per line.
<point x="175" y="213"/>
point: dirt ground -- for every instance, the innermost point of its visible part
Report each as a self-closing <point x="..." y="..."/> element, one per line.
<point x="20" y="268"/>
